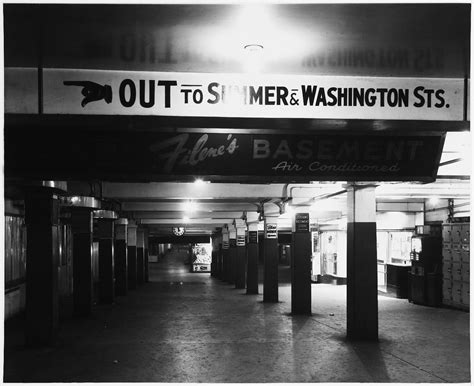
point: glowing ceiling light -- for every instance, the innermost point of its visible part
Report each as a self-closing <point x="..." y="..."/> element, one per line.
<point x="256" y="26"/>
<point x="255" y="22"/>
<point x="200" y="182"/>
<point x="253" y="60"/>
<point x="256" y="36"/>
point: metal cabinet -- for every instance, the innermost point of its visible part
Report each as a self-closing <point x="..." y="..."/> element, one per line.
<point x="456" y="271"/>
<point x="426" y="271"/>
<point x="456" y="265"/>
<point x="447" y="269"/>
<point x="447" y="291"/>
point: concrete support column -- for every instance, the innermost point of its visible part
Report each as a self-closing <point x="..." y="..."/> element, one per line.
<point x="270" y="251"/>
<point x="140" y="256"/>
<point x="252" y="259"/>
<point x="301" y="265"/>
<point x="217" y="255"/>
<point x="132" y="255"/>
<point x="81" y="219"/>
<point x="362" y="307"/>
<point x="232" y="254"/>
<point x="121" y="257"/>
<point x="146" y="253"/>
<point x="220" y="267"/>
<point x="241" y="255"/>
<point x="42" y="260"/>
<point x="106" y="234"/>
<point x="214" y="255"/>
<point x="161" y="252"/>
<point x="82" y="228"/>
<point x="225" y="255"/>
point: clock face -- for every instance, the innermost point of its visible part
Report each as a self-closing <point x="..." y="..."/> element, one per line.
<point x="178" y="231"/>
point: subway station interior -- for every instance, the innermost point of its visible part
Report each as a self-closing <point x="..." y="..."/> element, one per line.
<point x="247" y="192"/>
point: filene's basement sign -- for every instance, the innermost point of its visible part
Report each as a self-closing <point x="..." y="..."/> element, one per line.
<point x="366" y="157"/>
<point x="278" y="157"/>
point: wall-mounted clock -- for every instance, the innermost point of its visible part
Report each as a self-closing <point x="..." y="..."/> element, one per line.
<point x="178" y="231"/>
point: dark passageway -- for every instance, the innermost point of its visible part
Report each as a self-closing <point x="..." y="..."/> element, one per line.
<point x="312" y="158"/>
<point x="189" y="327"/>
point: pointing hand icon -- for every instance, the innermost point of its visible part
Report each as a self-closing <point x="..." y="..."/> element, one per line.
<point x="92" y="91"/>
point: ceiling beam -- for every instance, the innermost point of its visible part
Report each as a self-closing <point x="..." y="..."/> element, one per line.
<point x="178" y="215"/>
<point x="400" y="207"/>
<point x="194" y="222"/>
<point x="180" y="207"/>
<point x="215" y="191"/>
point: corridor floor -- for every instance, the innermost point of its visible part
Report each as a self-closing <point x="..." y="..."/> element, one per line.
<point x="189" y="327"/>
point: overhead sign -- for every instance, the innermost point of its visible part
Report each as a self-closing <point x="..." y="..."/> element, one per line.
<point x="70" y="91"/>
<point x="271" y="231"/>
<point x="240" y="241"/>
<point x="301" y="222"/>
<point x="317" y="157"/>
<point x="253" y="237"/>
<point x="279" y="157"/>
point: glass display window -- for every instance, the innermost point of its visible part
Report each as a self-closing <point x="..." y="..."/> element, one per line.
<point x="400" y="247"/>
<point x="316" y="253"/>
<point x="382" y="246"/>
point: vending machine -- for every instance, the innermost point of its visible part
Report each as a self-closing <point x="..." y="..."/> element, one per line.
<point x="426" y="266"/>
<point x="201" y="257"/>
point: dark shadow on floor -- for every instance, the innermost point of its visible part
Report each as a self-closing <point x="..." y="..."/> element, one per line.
<point x="371" y="357"/>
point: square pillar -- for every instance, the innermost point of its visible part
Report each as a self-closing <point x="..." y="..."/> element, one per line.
<point x="362" y="306"/>
<point x="214" y="255"/>
<point x="105" y="235"/>
<point x="132" y="255"/>
<point x="301" y="265"/>
<point x="146" y="249"/>
<point x="42" y="261"/>
<point x="219" y="268"/>
<point x="252" y="259"/>
<point x="121" y="257"/>
<point x="232" y="254"/>
<point x="82" y="229"/>
<point x="225" y="254"/>
<point x="270" y="251"/>
<point x="241" y="256"/>
<point x="140" y="256"/>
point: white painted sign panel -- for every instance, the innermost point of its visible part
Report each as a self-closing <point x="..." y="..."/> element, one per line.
<point x="271" y="231"/>
<point x="240" y="240"/>
<point x="69" y="91"/>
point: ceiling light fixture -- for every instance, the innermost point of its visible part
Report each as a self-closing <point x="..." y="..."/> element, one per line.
<point x="200" y="182"/>
<point x="253" y="60"/>
<point x="253" y="47"/>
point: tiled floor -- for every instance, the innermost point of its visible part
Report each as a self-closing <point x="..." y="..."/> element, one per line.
<point x="189" y="327"/>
